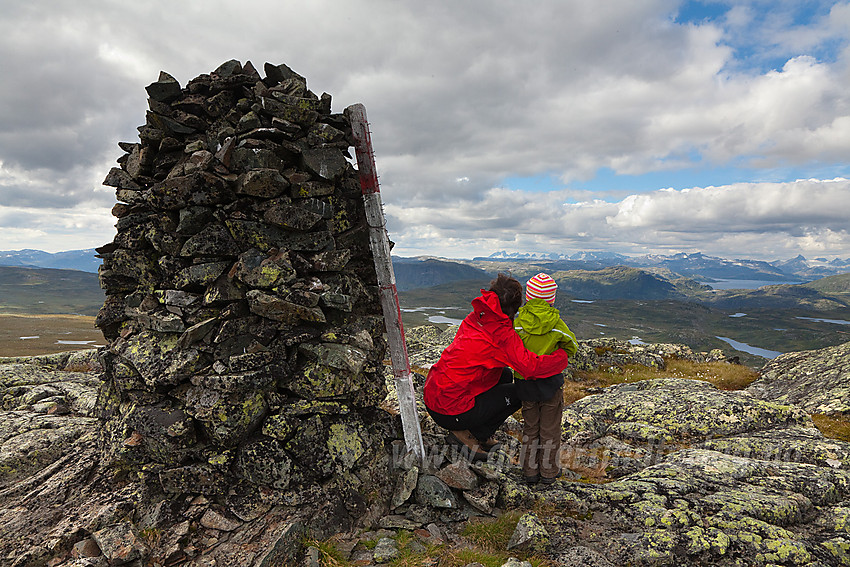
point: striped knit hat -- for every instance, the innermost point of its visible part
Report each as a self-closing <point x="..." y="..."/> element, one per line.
<point x="542" y="287"/>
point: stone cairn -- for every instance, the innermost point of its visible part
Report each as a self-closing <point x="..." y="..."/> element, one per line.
<point x="242" y="310"/>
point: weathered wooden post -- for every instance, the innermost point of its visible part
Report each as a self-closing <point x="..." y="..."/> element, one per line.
<point x="386" y="279"/>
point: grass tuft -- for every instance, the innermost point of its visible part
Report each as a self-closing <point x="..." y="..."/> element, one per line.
<point x="329" y="555"/>
<point x="492" y="534"/>
<point x="723" y="375"/>
<point x="833" y="426"/>
<point x="487" y="540"/>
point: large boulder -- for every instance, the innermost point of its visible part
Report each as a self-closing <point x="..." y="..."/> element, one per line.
<point x="816" y="380"/>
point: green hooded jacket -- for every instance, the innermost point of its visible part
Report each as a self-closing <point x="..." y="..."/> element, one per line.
<point x="542" y="330"/>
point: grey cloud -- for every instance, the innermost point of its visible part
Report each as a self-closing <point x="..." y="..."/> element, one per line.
<point x="482" y="90"/>
<point x="757" y="219"/>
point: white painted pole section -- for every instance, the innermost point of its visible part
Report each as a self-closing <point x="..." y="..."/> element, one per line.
<point x="386" y="279"/>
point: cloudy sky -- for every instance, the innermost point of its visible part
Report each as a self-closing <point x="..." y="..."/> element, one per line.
<point x="550" y="126"/>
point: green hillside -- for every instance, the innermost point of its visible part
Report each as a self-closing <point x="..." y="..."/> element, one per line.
<point x="44" y="290"/>
<point x="618" y="282"/>
<point x="838" y="285"/>
<point x="413" y="273"/>
<point x="776" y="297"/>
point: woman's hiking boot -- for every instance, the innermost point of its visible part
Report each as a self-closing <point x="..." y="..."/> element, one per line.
<point x="470" y="447"/>
<point x="550" y="480"/>
<point x="531" y="479"/>
<point x="491" y="445"/>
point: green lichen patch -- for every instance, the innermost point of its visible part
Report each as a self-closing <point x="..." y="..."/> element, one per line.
<point x="332" y="370"/>
<point x="529" y="534"/>
<point x="838" y="548"/>
<point x="836" y="519"/>
<point x="773" y="506"/>
<point x="345" y="444"/>
<point x="783" y="551"/>
<point x="281" y="426"/>
<point x="656" y="546"/>
<point x="157" y="358"/>
<point x="226" y="417"/>
<point x="746" y="529"/>
<point x="698" y="540"/>
<point x="640" y="432"/>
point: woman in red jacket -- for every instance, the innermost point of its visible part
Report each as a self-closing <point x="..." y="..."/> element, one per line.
<point x="470" y="390"/>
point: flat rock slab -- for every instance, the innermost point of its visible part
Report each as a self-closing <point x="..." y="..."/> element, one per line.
<point x="30" y="442"/>
<point x="630" y="426"/>
<point x="25" y="386"/>
<point x="798" y="444"/>
<point x="816" y="380"/>
<point x="702" y="507"/>
<point x="683" y="409"/>
<point x="44" y="414"/>
<point x="703" y="477"/>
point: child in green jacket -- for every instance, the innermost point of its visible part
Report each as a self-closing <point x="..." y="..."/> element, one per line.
<point x="542" y="331"/>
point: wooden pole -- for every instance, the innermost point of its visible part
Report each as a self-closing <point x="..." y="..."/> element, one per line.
<point x="386" y="279"/>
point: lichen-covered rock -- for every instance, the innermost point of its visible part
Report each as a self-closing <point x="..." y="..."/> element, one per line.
<point x="580" y="556"/>
<point x="226" y="417"/>
<point x="630" y="426"/>
<point x="716" y="508"/>
<point x="685" y="409"/>
<point x="334" y="371"/>
<point x="529" y="534"/>
<point x="192" y="479"/>
<point x="30" y="442"/>
<point x="385" y="551"/>
<point x="815" y="380"/>
<point x="265" y="462"/>
<point x="264" y="271"/>
<point x="483" y="498"/>
<point x="346" y="444"/>
<point x="798" y="444"/>
<point x="157" y="358"/>
<point x="431" y="491"/>
<point x="119" y="543"/>
<point x="44" y="413"/>
<point x="279" y="309"/>
<point x="405" y="485"/>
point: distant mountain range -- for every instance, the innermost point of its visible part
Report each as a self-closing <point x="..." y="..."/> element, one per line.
<point x="83" y="260"/>
<point x="696" y="265"/>
<point x="683" y="277"/>
<point x="426" y="271"/>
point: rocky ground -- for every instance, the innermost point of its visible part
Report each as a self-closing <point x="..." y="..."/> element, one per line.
<point x="693" y="476"/>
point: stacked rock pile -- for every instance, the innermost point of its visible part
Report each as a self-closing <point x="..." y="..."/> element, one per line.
<point x="244" y="328"/>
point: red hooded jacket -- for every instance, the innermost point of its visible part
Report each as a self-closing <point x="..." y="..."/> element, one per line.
<point x="485" y="343"/>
